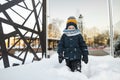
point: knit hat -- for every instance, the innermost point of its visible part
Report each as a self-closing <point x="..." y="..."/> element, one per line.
<point x="71" y="21"/>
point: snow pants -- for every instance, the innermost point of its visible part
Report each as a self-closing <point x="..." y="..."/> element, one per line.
<point x="74" y="65"/>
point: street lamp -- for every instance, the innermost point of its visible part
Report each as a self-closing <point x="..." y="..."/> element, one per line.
<point x="80" y="23"/>
<point x="111" y="27"/>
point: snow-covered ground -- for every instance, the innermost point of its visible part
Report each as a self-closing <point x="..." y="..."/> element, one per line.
<point x="98" y="68"/>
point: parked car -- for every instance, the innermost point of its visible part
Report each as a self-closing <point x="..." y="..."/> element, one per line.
<point x="117" y="47"/>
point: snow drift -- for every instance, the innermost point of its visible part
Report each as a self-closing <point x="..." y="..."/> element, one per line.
<point x="98" y="68"/>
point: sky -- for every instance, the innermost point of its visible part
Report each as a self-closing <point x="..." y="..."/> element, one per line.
<point x="95" y="12"/>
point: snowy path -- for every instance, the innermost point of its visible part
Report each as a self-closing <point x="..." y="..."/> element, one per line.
<point x="98" y="52"/>
<point x="98" y="68"/>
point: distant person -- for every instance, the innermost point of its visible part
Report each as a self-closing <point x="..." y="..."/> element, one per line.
<point x="72" y="47"/>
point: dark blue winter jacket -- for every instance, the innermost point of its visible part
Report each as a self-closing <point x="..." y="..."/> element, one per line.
<point x="72" y="47"/>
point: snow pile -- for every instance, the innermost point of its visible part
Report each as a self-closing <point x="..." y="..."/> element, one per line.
<point x="104" y="68"/>
<point x="98" y="68"/>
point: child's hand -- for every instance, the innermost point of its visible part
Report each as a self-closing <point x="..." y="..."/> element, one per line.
<point x="60" y="58"/>
<point x="85" y="59"/>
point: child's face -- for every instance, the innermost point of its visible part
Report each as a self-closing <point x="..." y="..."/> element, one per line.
<point x="71" y="27"/>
